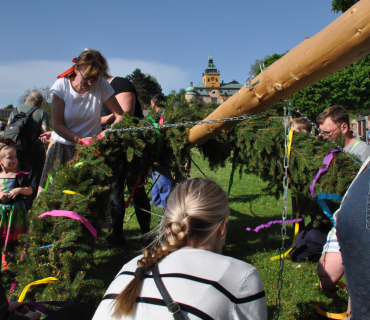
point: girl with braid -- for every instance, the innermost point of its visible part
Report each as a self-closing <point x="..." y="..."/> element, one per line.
<point x="202" y="283"/>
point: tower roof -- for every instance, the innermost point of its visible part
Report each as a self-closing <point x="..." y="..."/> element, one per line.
<point x="211" y="68"/>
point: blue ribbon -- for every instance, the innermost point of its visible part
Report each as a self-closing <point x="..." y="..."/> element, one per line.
<point x="320" y="199"/>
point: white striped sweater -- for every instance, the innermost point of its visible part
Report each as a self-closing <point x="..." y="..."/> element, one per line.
<point x="206" y="285"/>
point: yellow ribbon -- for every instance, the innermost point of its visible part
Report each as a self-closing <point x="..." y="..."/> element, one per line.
<point x="290" y="142"/>
<point x="72" y="192"/>
<point x="296" y="231"/>
<point x="43" y="281"/>
<point x="330" y="315"/>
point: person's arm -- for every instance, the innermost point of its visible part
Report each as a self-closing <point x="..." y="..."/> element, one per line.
<point x="127" y="102"/>
<point x="57" y="109"/>
<point x="26" y="191"/>
<point x="107" y="120"/>
<point x="113" y="106"/>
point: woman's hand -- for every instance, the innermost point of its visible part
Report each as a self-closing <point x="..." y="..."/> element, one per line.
<point x="25" y="312"/>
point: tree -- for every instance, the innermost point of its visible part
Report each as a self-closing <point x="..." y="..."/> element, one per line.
<point x="255" y="67"/>
<point x="349" y="88"/>
<point x="45" y="91"/>
<point x="9" y="106"/>
<point x="146" y="86"/>
<point x="342" y="5"/>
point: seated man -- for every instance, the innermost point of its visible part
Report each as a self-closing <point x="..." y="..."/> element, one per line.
<point x="334" y="122"/>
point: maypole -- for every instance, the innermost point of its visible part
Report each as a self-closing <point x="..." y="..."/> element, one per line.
<point x="341" y="43"/>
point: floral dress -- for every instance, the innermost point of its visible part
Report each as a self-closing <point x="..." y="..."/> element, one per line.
<point x="13" y="219"/>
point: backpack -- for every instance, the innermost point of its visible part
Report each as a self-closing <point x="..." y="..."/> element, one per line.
<point x="17" y="129"/>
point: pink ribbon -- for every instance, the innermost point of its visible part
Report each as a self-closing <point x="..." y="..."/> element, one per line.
<point x="72" y="215"/>
<point x="18" y="172"/>
<point x="326" y="163"/>
<point x="87" y="142"/>
<point x="273" y="222"/>
<point x="161" y="120"/>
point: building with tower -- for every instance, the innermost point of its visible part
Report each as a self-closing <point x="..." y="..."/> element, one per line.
<point x="212" y="89"/>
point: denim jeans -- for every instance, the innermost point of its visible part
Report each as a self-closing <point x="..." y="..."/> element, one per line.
<point x="353" y="232"/>
<point x="162" y="187"/>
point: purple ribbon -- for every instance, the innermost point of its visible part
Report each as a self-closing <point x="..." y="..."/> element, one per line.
<point x="38" y="306"/>
<point x="273" y="222"/>
<point x="326" y="163"/>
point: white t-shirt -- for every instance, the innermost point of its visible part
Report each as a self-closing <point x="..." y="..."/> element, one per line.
<point x="205" y="284"/>
<point x="81" y="111"/>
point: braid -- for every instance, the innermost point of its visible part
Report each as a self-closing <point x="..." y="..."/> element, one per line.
<point x="195" y="209"/>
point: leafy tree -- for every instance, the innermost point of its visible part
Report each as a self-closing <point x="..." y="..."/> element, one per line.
<point x="146" y="86"/>
<point x="342" y="5"/>
<point x="255" y="67"/>
<point x="349" y="88"/>
<point x="9" y="106"/>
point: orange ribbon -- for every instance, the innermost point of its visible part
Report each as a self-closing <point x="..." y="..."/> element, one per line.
<point x="70" y="70"/>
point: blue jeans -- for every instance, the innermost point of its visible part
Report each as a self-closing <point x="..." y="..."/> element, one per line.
<point x="162" y="187"/>
<point x="353" y="232"/>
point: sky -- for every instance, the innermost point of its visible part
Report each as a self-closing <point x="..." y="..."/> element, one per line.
<point x="168" y="39"/>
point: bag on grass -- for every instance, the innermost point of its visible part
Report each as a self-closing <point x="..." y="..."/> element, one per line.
<point x="309" y="244"/>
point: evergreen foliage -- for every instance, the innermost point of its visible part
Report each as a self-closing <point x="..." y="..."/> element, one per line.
<point x="256" y="146"/>
<point x="342" y="5"/>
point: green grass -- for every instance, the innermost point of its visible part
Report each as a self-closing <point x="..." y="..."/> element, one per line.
<point x="250" y="207"/>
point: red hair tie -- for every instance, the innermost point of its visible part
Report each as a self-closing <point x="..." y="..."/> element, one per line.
<point x="70" y="70"/>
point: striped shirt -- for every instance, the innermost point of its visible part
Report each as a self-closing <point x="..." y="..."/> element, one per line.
<point x="206" y="285"/>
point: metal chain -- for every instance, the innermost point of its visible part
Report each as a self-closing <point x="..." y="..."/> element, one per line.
<point x="191" y="123"/>
<point x="318" y="129"/>
<point x="284" y="213"/>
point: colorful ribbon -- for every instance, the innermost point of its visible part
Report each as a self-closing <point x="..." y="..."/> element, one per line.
<point x="231" y="180"/>
<point x="320" y="199"/>
<point x="326" y="163"/>
<point x="296" y="231"/>
<point x="47" y="182"/>
<point x="78" y="164"/>
<point x="269" y="224"/>
<point x="330" y="315"/>
<point x="290" y="139"/>
<point x="70" y="70"/>
<point x="72" y="215"/>
<point x="72" y="192"/>
<point x="87" y="142"/>
<point x="35" y="283"/>
<point x="159" y="143"/>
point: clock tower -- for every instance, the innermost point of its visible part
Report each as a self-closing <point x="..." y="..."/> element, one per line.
<point x="211" y="76"/>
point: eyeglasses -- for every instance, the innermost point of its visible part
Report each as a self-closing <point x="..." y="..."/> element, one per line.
<point x="88" y="80"/>
<point x="330" y="133"/>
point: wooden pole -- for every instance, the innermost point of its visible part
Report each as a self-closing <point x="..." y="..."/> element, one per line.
<point x="343" y="42"/>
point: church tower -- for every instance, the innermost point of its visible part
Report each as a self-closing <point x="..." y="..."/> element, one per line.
<point x="211" y="76"/>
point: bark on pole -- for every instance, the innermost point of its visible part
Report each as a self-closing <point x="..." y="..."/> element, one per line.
<point x="341" y="43"/>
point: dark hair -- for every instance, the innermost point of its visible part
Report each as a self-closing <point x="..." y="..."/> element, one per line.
<point x="337" y="114"/>
<point x="301" y="124"/>
<point x="158" y="99"/>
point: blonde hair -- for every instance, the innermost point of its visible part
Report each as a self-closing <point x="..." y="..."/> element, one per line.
<point x="195" y="209"/>
<point x="3" y="147"/>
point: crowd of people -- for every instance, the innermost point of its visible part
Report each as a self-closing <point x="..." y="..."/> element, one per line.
<point x="85" y="100"/>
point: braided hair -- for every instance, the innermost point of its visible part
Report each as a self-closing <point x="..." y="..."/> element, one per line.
<point x="195" y="210"/>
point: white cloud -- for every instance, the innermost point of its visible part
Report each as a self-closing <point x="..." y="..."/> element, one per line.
<point x="16" y="78"/>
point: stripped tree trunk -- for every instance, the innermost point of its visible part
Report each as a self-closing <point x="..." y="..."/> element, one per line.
<point x="343" y="42"/>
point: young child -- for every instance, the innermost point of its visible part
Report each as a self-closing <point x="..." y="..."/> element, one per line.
<point x="300" y="124"/>
<point x="13" y="186"/>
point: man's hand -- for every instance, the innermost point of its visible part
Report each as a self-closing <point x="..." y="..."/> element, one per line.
<point x="45" y="137"/>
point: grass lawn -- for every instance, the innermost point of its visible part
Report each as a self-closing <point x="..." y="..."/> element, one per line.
<point x="250" y="207"/>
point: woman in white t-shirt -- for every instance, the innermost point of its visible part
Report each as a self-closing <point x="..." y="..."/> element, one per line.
<point x="78" y="96"/>
<point x="202" y="283"/>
